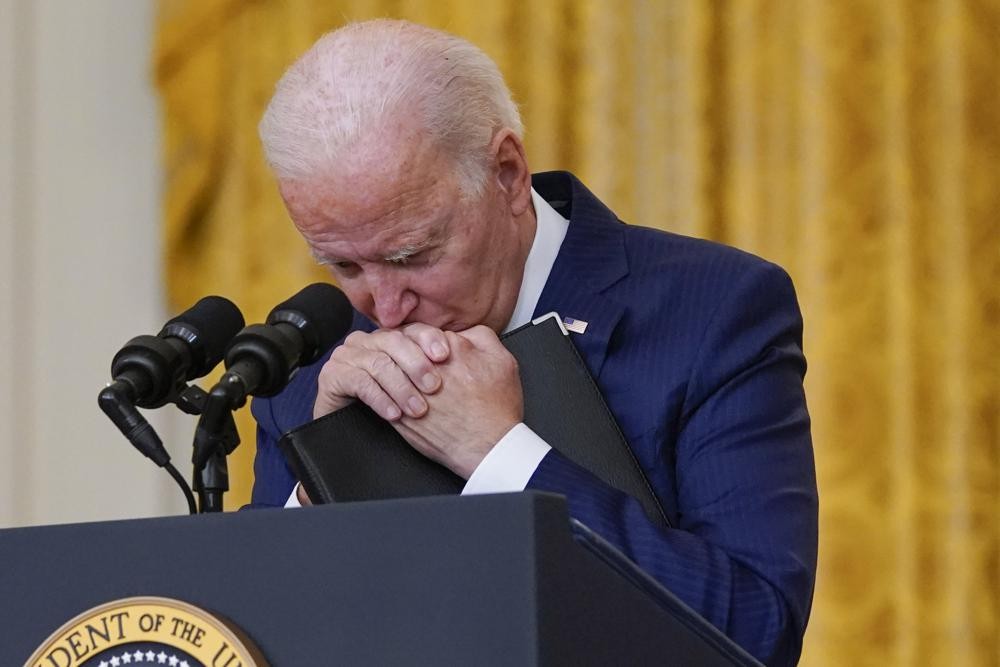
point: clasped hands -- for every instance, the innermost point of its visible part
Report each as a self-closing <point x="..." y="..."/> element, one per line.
<point x="451" y="395"/>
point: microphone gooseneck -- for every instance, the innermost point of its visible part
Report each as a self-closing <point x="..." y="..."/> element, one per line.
<point x="260" y="361"/>
<point x="149" y="371"/>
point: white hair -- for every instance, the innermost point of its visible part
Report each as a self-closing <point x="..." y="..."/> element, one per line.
<point x="357" y="80"/>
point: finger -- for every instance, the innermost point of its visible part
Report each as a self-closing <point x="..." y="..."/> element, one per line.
<point x="408" y="356"/>
<point x="338" y="380"/>
<point x="340" y="384"/>
<point x="372" y="376"/>
<point x="329" y="396"/>
<point x="327" y="402"/>
<point x="483" y="338"/>
<point x="431" y="340"/>
<point x="384" y="370"/>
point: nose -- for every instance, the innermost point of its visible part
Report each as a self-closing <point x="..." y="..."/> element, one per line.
<point x="392" y="300"/>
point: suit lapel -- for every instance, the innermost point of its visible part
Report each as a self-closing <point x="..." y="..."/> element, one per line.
<point x="591" y="259"/>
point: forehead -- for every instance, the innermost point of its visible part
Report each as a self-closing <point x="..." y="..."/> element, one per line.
<point x="383" y="200"/>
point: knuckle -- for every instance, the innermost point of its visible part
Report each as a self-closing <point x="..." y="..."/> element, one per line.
<point x="480" y="332"/>
<point x="380" y="363"/>
<point x="412" y="329"/>
<point x="351" y="380"/>
<point x="354" y="338"/>
<point x="394" y="338"/>
<point x="371" y="394"/>
<point x="331" y="370"/>
<point x="417" y="328"/>
<point x="369" y="390"/>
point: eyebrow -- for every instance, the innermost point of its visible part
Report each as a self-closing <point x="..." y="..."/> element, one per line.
<point x="322" y="261"/>
<point x="401" y="254"/>
<point x="407" y="251"/>
<point x="395" y="257"/>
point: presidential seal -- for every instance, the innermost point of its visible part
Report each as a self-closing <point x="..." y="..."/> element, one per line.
<point x="141" y="631"/>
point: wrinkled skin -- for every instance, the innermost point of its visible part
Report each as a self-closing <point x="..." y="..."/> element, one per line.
<point x="439" y="273"/>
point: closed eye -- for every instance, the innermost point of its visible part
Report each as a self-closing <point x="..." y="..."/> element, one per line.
<point x="340" y="268"/>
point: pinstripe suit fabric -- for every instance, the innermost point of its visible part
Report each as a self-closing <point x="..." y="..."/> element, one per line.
<point x="697" y="349"/>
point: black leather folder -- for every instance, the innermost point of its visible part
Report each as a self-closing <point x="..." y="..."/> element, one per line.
<point x="353" y="454"/>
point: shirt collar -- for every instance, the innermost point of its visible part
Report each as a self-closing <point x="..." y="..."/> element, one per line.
<point x="550" y="230"/>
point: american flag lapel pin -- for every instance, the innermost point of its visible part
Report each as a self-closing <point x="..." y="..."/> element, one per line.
<point x="574" y="325"/>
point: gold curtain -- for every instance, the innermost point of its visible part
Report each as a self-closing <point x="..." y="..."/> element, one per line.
<point x="856" y="143"/>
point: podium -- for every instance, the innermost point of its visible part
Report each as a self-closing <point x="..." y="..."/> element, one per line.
<point x="484" y="580"/>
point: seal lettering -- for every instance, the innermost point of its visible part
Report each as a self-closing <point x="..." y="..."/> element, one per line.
<point x="150" y="622"/>
<point x="92" y="630"/>
<point x="79" y="650"/>
<point x="118" y="618"/>
<point x="189" y="632"/>
<point x="107" y="634"/>
<point x="229" y="660"/>
<point x="51" y="657"/>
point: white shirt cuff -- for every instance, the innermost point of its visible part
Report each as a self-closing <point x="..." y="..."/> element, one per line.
<point x="293" y="500"/>
<point x="510" y="464"/>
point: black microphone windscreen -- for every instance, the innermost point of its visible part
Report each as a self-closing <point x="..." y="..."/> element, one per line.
<point x="326" y="312"/>
<point x="207" y="326"/>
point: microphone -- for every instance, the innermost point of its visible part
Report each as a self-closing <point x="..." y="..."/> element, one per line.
<point x="262" y="358"/>
<point x="260" y="361"/>
<point x="149" y="370"/>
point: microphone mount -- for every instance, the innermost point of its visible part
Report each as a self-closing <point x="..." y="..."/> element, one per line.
<point x="151" y="371"/>
<point x="260" y="361"/>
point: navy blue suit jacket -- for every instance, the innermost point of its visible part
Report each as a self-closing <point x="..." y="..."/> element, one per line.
<point x="697" y="348"/>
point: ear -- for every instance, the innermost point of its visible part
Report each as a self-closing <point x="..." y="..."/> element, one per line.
<point x="513" y="174"/>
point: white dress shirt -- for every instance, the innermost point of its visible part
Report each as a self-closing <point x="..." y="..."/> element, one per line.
<point x="513" y="460"/>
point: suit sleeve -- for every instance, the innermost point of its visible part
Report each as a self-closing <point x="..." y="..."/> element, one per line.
<point x="273" y="480"/>
<point x="743" y="551"/>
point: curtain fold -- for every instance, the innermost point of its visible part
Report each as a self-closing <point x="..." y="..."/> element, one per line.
<point x="855" y="143"/>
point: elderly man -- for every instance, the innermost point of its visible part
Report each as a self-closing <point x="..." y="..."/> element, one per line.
<point x="398" y="153"/>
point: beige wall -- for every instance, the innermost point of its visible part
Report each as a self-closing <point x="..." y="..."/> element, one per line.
<point x="79" y="257"/>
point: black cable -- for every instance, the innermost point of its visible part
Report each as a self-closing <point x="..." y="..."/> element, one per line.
<point x="181" y="482"/>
